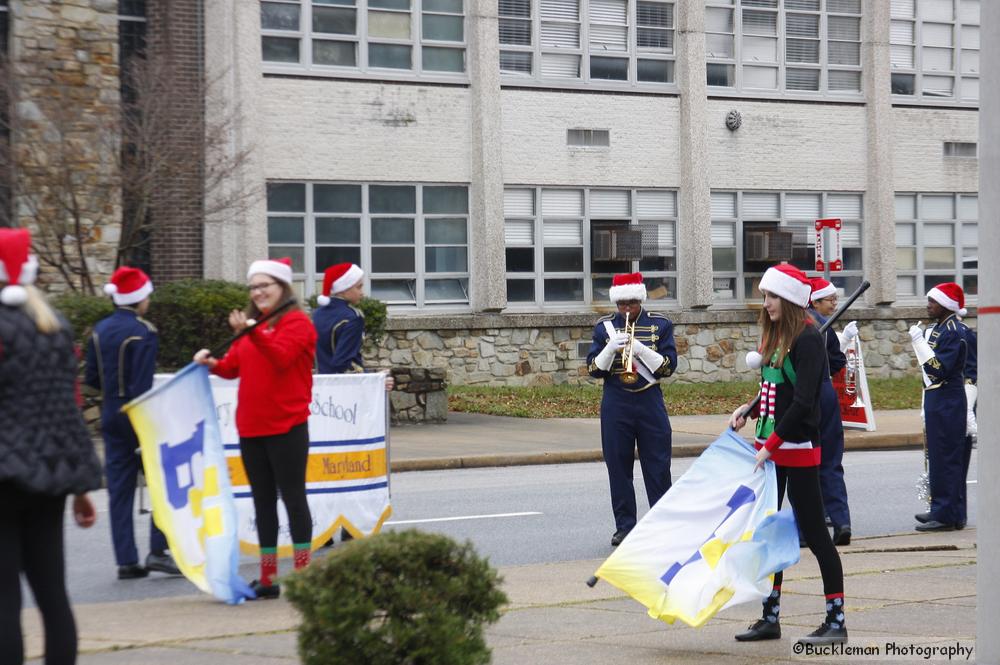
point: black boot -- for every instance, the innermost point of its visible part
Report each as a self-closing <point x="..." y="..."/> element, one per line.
<point x="831" y="631"/>
<point x="767" y="627"/>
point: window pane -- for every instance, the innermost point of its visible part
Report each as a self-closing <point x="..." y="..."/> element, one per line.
<point x="446" y="289"/>
<point x="718" y="19"/>
<point x="563" y="259"/>
<point x="275" y="16"/>
<point x="341" y="21"/>
<point x="939" y="257"/>
<point x="724" y="288"/>
<point x="560" y="290"/>
<point x="656" y="264"/>
<point x="392" y="198"/>
<point x="843" y="28"/>
<point x="446" y="232"/>
<point x="844" y="81"/>
<point x="515" y="63"/>
<point x="446" y="28"/>
<point x="390" y="290"/>
<point x="804" y="50"/>
<point x="296" y="254"/>
<point x="560" y="65"/>
<point x="721" y="75"/>
<point x="903" y="84"/>
<point x="802" y="79"/>
<point x="389" y="4"/>
<point x="393" y="259"/>
<point x="392" y="231"/>
<point x="515" y="32"/>
<point x="660" y="288"/>
<point x="515" y="8"/>
<point x="285" y="230"/>
<point x="340" y="54"/>
<point x="906" y="234"/>
<point x="338" y="230"/>
<point x="760" y="49"/>
<point x="443" y="59"/>
<point x="328" y="256"/>
<point x="608" y="68"/>
<point x="521" y="290"/>
<point x="337" y="198"/>
<point x="446" y="259"/>
<point x="852" y="258"/>
<point x="520" y="259"/>
<point x="655" y="71"/>
<point x="845" y="53"/>
<point x="280" y="49"/>
<point x="760" y="23"/>
<point x="719" y="46"/>
<point x="390" y="56"/>
<point x="286" y="197"/>
<point x="906" y="258"/>
<point x="760" y="77"/>
<point x="452" y="6"/>
<point x="446" y="200"/>
<point x="724" y="259"/>
<point x="393" y="25"/>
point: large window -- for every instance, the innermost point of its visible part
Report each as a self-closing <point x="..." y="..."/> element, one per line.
<point x="564" y="245"/>
<point x="937" y="240"/>
<point x="593" y="41"/>
<point x="935" y="50"/>
<point x="385" y="38"/>
<point x="411" y="240"/>
<point x="788" y="46"/>
<point x="741" y="221"/>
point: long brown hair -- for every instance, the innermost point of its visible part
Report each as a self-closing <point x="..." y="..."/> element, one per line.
<point x="778" y="336"/>
<point x="253" y="312"/>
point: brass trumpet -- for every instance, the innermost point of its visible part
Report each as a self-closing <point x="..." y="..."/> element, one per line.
<point x="628" y="376"/>
<point x="851" y="375"/>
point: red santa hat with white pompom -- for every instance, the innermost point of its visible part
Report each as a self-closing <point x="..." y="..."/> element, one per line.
<point x="129" y="286"/>
<point x="627" y="286"/>
<point x="18" y="267"/>
<point x="337" y="278"/>
<point x="950" y="296"/>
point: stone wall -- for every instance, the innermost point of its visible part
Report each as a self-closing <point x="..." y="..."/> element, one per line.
<point x="419" y="395"/>
<point x="538" y="350"/>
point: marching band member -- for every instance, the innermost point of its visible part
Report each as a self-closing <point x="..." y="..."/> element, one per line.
<point x="632" y="410"/>
<point x="788" y="431"/>
<point x="942" y="352"/>
<point x="121" y="361"/>
<point x="831" y="428"/>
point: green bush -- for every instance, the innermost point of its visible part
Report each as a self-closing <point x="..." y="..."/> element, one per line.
<point x="398" y="598"/>
<point x="375" y="315"/>
<point x="82" y="312"/>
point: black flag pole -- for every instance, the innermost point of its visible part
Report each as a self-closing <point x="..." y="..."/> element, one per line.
<point x="221" y="348"/>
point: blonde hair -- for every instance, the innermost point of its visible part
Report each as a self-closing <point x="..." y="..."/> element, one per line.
<point x="38" y="310"/>
<point x="778" y="336"/>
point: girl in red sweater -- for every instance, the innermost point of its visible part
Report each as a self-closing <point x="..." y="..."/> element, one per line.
<point x="274" y="363"/>
<point x="788" y="433"/>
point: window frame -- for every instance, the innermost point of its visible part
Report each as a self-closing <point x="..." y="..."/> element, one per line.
<point x="920" y="273"/>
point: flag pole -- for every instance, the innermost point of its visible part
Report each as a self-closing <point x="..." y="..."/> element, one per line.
<point x="221" y="348"/>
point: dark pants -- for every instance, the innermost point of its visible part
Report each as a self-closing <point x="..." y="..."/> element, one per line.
<point x="948" y="450"/>
<point x="278" y="464"/>
<point x="807" y="504"/>
<point x="122" y="464"/>
<point x="628" y="421"/>
<point x="31" y="541"/>
<point x="831" y="468"/>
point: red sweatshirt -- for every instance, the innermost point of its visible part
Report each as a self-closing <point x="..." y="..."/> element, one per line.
<point x="274" y="366"/>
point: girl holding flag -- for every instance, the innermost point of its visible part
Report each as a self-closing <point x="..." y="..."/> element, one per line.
<point x="788" y="433"/>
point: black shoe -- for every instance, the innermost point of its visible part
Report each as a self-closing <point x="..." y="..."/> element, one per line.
<point x="132" y="571"/>
<point x="162" y="563"/>
<point x="619" y="536"/>
<point x="934" y="525"/>
<point x="825" y="634"/>
<point x="960" y="526"/>
<point x="760" y="630"/>
<point x="923" y="518"/>
<point x="842" y="535"/>
<point x="265" y="592"/>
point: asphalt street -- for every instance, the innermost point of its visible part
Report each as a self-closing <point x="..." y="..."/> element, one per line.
<point x="514" y="515"/>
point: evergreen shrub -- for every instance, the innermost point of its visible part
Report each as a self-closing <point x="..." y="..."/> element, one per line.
<point x="397" y="598"/>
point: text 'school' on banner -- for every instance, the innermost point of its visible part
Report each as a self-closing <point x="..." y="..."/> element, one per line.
<point x="714" y="540"/>
<point x="347" y="477"/>
<point x="188" y="477"/>
<point x="851" y="384"/>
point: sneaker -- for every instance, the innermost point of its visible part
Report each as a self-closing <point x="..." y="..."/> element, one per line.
<point x="162" y="563"/>
<point x="265" y="592"/>
<point x="923" y="518"/>
<point x="825" y="634"/>
<point x="132" y="571"/>
<point x="760" y="630"/>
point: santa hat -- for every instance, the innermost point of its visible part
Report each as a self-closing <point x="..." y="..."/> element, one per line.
<point x="280" y="269"/>
<point x="128" y="286"/>
<point x="18" y="268"/>
<point x="821" y="289"/>
<point x="950" y="296"/>
<point x="627" y="287"/>
<point x="786" y="281"/>
<point x="337" y="278"/>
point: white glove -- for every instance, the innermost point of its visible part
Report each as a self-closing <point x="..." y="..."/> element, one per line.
<point x="607" y="355"/>
<point x="971" y="427"/>
<point x="916" y="333"/>
<point x="650" y="358"/>
<point x="920" y="345"/>
<point x="851" y="330"/>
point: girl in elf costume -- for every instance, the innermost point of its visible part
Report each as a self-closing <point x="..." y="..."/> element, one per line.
<point x="788" y="433"/>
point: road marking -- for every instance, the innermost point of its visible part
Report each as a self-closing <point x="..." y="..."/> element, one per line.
<point x="456" y="519"/>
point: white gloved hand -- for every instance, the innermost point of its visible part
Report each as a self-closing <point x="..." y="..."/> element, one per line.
<point x="916" y="332"/>
<point x="650" y="358"/>
<point x="971" y="426"/>
<point x="851" y="330"/>
<point x="607" y="355"/>
<point x="920" y="345"/>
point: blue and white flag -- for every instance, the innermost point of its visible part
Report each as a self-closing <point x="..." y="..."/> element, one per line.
<point x="714" y="540"/>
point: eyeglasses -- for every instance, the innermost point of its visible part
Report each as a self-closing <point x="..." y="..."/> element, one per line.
<point x="261" y="286"/>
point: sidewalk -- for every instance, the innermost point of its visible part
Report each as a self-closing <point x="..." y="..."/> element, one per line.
<point x="911" y="589"/>
<point x="471" y="440"/>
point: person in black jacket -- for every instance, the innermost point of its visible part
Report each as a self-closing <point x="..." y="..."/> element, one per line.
<point x="788" y="432"/>
<point x="45" y="455"/>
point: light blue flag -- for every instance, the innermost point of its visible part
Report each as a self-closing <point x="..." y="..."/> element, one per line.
<point x="714" y="540"/>
<point x="188" y="479"/>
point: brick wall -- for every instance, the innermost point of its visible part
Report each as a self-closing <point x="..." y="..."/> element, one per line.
<point x="919" y="164"/>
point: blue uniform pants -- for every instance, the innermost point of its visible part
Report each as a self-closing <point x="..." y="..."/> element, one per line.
<point x="122" y="464"/>
<point x="631" y="420"/>
<point x="831" y="468"/>
<point x="947" y="452"/>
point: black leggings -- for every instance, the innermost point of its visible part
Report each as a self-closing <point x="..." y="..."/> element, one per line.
<point x="807" y="504"/>
<point x="276" y="464"/>
<point x="31" y="540"/>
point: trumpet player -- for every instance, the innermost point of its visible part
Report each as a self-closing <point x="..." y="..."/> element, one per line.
<point x="631" y="351"/>
<point x="831" y="427"/>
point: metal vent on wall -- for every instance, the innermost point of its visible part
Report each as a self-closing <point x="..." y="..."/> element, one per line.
<point x="959" y="149"/>
<point x="617" y="244"/>
<point x="588" y="138"/>
<point x="768" y="245"/>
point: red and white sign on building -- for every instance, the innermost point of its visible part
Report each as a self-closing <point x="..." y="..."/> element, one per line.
<point x="836" y="255"/>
